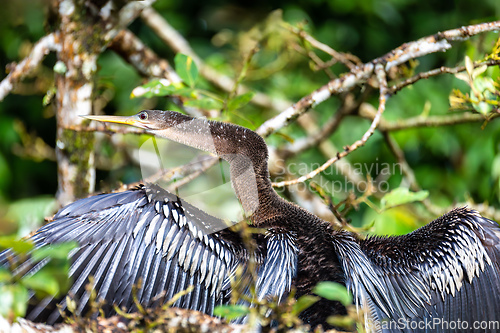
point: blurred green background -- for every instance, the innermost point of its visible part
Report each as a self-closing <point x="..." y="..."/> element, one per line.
<point x="453" y="163"/>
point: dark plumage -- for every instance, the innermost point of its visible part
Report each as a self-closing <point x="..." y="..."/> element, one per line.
<point x="448" y="269"/>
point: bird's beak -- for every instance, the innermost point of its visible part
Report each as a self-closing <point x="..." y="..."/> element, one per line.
<point x="131" y="120"/>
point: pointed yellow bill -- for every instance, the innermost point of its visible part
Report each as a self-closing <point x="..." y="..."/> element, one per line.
<point x="131" y="120"/>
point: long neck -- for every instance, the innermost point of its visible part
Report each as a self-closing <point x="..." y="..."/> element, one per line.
<point x="244" y="150"/>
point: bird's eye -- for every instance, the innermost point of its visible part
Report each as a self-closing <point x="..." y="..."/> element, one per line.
<point x="143" y="116"/>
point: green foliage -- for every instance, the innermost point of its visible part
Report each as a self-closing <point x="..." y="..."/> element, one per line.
<point x="401" y="196"/>
<point x="195" y="96"/>
<point x="303" y="303"/>
<point x="239" y="101"/>
<point x="334" y="292"/>
<point x="484" y="96"/>
<point x="20" y="246"/>
<point x="186" y="69"/>
<point x="28" y="214"/>
<point x="337" y="292"/>
<point x="51" y="280"/>
<point x="231" y="311"/>
<point x="399" y="220"/>
<point x="14" y="300"/>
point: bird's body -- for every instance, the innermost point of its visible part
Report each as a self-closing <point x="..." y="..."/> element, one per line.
<point x="443" y="272"/>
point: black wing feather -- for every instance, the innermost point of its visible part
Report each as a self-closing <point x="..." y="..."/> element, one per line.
<point x="148" y="235"/>
<point x="445" y="273"/>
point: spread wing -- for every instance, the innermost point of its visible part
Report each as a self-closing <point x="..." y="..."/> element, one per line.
<point x="443" y="277"/>
<point x="149" y="239"/>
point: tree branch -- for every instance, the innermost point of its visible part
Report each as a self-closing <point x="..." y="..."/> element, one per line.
<point x="438" y="71"/>
<point x="360" y="74"/>
<point x="18" y="72"/>
<point x="382" y="81"/>
<point x="348" y="60"/>
<point x="174" y="40"/>
<point x="426" y="121"/>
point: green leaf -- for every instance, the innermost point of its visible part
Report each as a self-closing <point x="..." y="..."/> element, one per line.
<point x="55" y="251"/>
<point x="7" y="300"/>
<point x="469" y="66"/>
<point x="341" y="321"/>
<point x="19" y="246"/>
<point x="42" y="282"/>
<point x="240" y="101"/>
<point x="483" y="108"/>
<point x="186" y="68"/>
<point x="14" y="300"/>
<point x="479" y="70"/>
<point x="303" y="303"/>
<point x="333" y="291"/>
<point x="186" y="92"/>
<point x="21" y="297"/>
<point x="231" y="312"/>
<point x="30" y="212"/>
<point x="400" y="196"/>
<point x="463" y="77"/>
<point x="205" y="103"/>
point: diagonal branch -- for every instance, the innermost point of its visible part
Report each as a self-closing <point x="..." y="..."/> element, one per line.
<point x="360" y="74"/>
<point x="136" y="53"/>
<point x="348" y="60"/>
<point x="427" y="121"/>
<point x="176" y="41"/>
<point x="438" y="71"/>
<point x="24" y="68"/>
<point x="382" y="81"/>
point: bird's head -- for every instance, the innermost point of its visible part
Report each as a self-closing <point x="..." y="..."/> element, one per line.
<point x="151" y="120"/>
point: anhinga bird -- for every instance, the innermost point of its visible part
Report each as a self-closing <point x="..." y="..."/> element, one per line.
<point x="444" y="272"/>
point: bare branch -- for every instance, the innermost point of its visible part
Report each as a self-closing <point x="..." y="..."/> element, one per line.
<point x="403" y="164"/>
<point x="317" y="136"/>
<point x="24" y="68"/>
<point x="382" y="81"/>
<point x="320" y="95"/>
<point x="438" y="71"/>
<point x="427" y="121"/>
<point x="358" y="75"/>
<point x="133" y="50"/>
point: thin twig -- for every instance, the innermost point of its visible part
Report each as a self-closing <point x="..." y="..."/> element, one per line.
<point x="382" y="81"/>
<point x="429" y="121"/>
<point x="349" y="60"/>
<point x="315" y="138"/>
<point x="438" y="71"/>
<point x="403" y="164"/>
